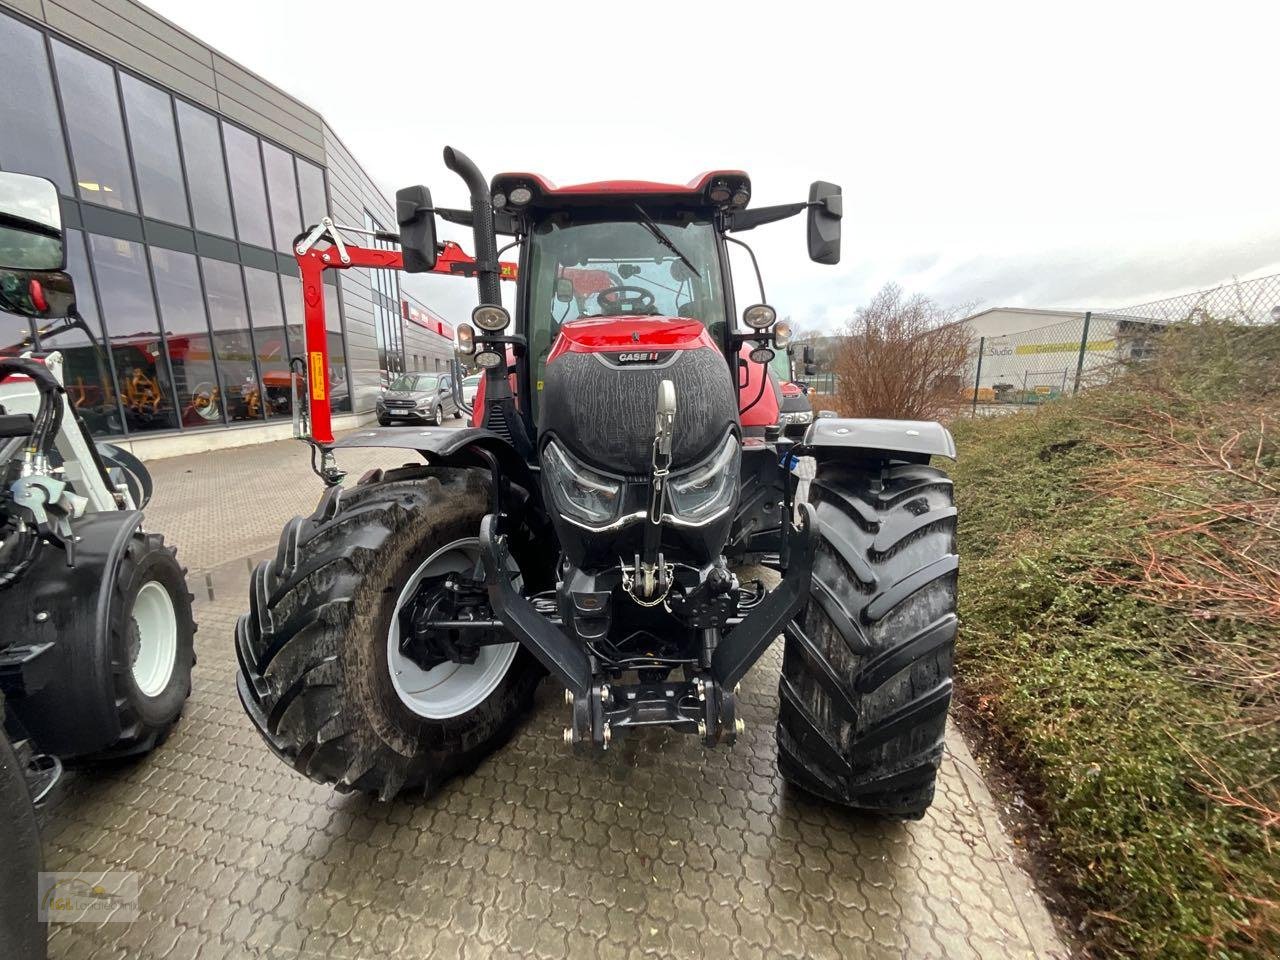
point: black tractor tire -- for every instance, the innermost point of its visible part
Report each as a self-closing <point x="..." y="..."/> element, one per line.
<point x="146" y="719"/>
<point x="866" y="668"/>
<point x="22" y="935"/>
<point x="313" y="673"/>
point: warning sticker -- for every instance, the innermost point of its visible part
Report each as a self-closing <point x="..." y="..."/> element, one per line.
<point x="318" y="377"/>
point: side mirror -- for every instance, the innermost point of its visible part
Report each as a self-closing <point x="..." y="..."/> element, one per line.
<point x="30" y="224"/>
<point x="810" y="369"/>
<point x="417" y="219"/>
<point x="808" y="353"/>
<point x="43" y="294"/>
<point x="564" y="289"/>
<point x="826" y="207"/>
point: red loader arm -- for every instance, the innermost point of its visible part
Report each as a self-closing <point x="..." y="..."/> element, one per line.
<point x="313" y="260"/>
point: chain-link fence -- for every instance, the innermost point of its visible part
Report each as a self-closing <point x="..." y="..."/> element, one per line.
<point x="1033" y="366"/>
<point x="1244" y="301"/>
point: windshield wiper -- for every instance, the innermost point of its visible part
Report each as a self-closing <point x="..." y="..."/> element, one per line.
<point x="660" y="235"/>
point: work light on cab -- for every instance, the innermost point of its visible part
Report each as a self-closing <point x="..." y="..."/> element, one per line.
<point x="759" y="316"/>
<point x="490" y="317"/>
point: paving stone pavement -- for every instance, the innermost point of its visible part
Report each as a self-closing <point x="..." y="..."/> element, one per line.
<point x="657" y="848"/>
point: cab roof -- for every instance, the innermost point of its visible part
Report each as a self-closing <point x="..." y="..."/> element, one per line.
<point x="713" y="189"/>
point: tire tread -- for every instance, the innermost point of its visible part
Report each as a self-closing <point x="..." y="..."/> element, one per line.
<point x="866" y="678"/>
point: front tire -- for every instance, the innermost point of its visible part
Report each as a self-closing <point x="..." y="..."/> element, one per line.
<point x="22" y="935"/>
<point x="152" y="643"/>
<point x="315" y="662"/>
<point x="866" y="671"/>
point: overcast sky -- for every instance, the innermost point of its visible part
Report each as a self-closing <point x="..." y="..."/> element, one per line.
<point x="1076" y="155"/>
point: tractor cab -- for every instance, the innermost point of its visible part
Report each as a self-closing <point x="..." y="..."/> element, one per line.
<point x="646" y="256"/>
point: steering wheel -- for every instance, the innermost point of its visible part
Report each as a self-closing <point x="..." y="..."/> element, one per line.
<point x="619" y="300"/>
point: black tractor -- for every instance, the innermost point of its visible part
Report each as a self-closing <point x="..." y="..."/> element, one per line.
<point x="597" y="520"/>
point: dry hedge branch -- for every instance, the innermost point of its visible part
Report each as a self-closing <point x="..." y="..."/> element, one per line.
<point x="900" y="357"/>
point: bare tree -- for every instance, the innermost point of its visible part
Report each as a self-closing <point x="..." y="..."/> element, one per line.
<point x="901" y="357"/>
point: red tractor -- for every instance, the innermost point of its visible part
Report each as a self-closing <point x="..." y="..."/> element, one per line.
<point x="598" y="519"/>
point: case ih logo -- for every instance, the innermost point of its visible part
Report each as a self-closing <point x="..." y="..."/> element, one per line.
<point x="639" y="356"/>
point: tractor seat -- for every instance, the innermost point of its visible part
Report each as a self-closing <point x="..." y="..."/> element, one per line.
<point x="690" y="309"/>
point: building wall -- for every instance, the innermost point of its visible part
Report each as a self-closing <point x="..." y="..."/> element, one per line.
<point x="428" y="337"/>
<point x="184" y="178"/>
<point x="1002" y="321"/>
<point x="146" y="43"/>
<point x="1030" y="353"/>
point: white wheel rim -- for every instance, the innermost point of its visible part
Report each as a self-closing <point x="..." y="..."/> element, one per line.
<point x="448" y="689"/>
<point x="157" y="625"/>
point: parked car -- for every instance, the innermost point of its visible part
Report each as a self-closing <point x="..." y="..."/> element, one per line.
<point x="469" y="387"/>
<point x="417" y="398"/>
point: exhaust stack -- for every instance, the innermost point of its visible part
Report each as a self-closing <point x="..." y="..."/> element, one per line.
<point x="486" y="237"/>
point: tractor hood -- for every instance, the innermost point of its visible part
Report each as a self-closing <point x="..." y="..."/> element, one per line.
<point x="630" y="334"/>
<point x="601" y="390"/>
<point x="599" y="410"/>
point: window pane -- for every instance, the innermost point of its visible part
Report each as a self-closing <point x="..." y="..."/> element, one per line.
<point x="339" y="388"/>
<point x="187" y="331"/>
<point x="229" y="320"/>
<point x="202" y="151"/>
<point x="311" y="183"/>
<point x="295" y="315"/>
<point x="84" y="370"/>
<point x="282" y="191"/>
<point x="270" y="340"/>
<point x="93" y="123"/>
<point x="133" y="330"/>
<point x="247" y="190"/>
<point x="149" y="113"/>
<point x="32" y="141"/>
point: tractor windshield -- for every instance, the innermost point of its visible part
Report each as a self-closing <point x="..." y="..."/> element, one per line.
<point x="605" y="268"/>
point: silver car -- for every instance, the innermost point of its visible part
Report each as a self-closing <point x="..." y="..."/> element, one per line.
<point x="417" y="398"/>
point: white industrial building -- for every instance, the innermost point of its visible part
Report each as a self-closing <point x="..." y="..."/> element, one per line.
<point x="1020" y="352"/>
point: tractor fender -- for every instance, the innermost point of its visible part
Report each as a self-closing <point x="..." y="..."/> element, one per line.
<point x="444" y="447"/>
<point x="69" y="609"/>
<point x="912" y="440"/>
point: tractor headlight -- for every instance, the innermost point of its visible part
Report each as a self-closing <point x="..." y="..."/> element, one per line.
<point x="708" y="488"/>
<point x="579" y="492"/>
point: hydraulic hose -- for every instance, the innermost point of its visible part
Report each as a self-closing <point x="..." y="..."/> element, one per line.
<point x="48" y="419"/>
<point x="47" y="423"/>
<point x="27" y="548"/>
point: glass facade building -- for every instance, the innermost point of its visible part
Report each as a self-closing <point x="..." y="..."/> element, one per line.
<point x="180" y="220"/>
